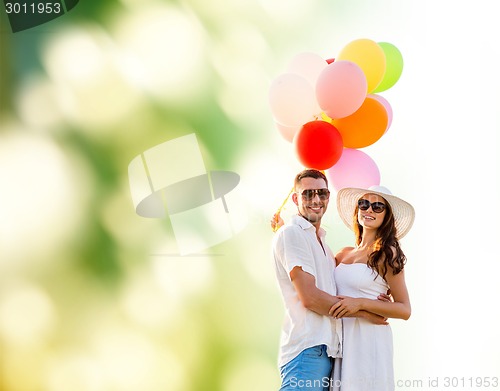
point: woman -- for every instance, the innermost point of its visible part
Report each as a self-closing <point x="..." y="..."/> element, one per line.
<point x="374" y="266"/>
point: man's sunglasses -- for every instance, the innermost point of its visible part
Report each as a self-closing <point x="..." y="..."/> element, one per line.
<point x="309" y="194"/>
<point x="377" y="207"/>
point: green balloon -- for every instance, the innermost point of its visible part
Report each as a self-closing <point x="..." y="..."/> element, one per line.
<point x="394" y="66"/>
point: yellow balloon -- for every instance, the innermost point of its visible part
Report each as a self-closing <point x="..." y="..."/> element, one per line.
<point x="369" y="56"/>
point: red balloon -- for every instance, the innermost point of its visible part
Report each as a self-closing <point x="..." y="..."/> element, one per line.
<point x="318" y="144"/>
<point x="330" y="60"/>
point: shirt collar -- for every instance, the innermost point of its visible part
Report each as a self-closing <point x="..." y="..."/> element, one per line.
<point x="306" y="225"/>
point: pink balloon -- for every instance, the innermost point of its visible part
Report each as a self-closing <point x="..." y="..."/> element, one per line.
<point x="354" y="169"/>
<point x="387" y="106"/>
<point x="292" y="100"/>
<point x="341" y="89"/>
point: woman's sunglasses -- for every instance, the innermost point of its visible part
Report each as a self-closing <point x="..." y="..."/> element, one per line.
<point x="309" y="194"/>
<point x="377" y="207"/>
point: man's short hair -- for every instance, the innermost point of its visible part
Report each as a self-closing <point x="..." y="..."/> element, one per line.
<point x="309" y="173"/>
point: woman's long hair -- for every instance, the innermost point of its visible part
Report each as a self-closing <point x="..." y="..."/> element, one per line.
<point x="386" y="249"/>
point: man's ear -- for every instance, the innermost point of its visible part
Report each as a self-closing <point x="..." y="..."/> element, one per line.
<point x="294" y="199"/>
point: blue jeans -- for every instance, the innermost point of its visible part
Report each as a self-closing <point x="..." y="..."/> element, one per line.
<point x="310" y="371"/>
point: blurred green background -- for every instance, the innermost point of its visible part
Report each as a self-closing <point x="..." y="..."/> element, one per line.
<point x="94" y="298"/>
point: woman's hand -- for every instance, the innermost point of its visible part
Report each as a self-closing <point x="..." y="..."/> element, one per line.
<point x="346" y="306"/>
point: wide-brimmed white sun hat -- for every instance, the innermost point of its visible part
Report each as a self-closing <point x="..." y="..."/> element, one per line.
<point x="347" y="200"/>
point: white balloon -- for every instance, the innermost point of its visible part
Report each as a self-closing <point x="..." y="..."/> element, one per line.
<point x="287" y="132"/>
<point x="308" y="65"/>
<point x="293" y="100"/>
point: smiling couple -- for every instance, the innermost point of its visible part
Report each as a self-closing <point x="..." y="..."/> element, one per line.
<point x="335" y="333"/>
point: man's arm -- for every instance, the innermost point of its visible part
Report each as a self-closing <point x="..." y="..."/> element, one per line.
<point x="319" y="301"/>
<point x="310" y="295"/>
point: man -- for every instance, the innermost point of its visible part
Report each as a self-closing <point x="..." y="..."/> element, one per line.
<point x="310" y="338"/>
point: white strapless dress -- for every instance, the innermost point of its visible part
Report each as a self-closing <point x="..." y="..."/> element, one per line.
<point x="367" y="359"/>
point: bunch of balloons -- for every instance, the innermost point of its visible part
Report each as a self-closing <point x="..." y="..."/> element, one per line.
<point x="329" y="108"/>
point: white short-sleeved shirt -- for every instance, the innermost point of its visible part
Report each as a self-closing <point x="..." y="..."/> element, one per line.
<point x="295" y="244"/>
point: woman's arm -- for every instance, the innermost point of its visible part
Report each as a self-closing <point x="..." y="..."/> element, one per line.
<point x="319" y="301"/>
<point x="400" y="308"/>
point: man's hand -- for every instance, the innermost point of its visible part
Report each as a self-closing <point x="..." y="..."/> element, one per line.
<point x="386" y="296"/>
<point x="276" y="222"/>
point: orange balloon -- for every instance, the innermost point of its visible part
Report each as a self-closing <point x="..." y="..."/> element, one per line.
<point x="365" y="126"/>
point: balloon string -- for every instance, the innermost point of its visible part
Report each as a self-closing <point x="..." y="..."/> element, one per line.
<point x="277" y="214"/>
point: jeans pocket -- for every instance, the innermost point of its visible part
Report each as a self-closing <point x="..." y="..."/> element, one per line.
<point x="315" y="351"/>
